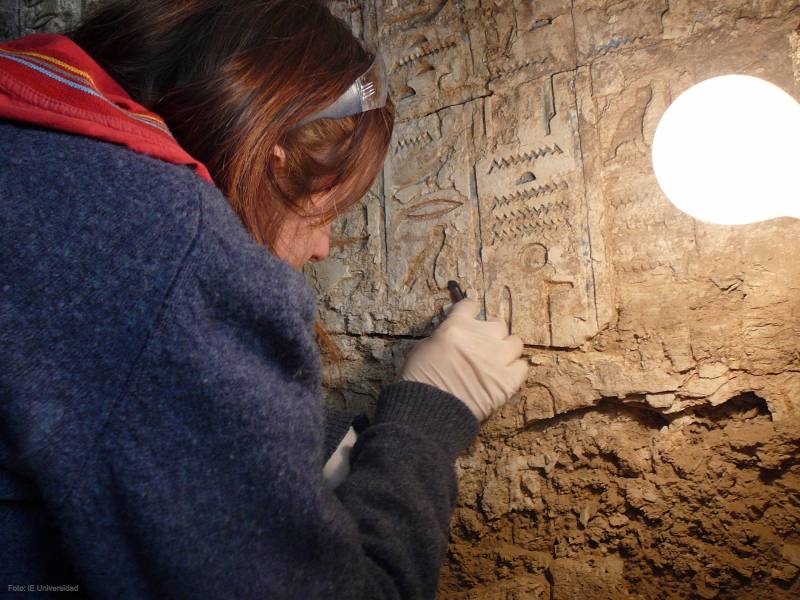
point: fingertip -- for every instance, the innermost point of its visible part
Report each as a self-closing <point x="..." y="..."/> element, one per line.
<point x="515" y="342"/>
<point x="466" y="308"/>
<point x="521" y="368"/>
<point x="497" y="328"/>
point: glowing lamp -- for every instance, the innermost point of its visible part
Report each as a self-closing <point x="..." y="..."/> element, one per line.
<point x="727" y="151"/>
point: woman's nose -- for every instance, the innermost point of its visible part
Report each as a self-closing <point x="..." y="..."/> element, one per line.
<point x="322" y="247"/>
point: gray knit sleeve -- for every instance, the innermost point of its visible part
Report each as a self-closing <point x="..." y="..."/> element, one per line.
<point x="402" y="488"/>
<point x="431" y="412"/>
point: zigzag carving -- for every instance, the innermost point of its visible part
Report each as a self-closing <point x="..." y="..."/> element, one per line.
<point x="535" y="192"/>
<point x="530" y="220"/>
<point x="405" y="143"/>
<point x="620" y="44"/>
<point x="422" y="53"/>
<point x="401" y="20"/>
<point x="532" y="214"/>
<point x="515" y="159"/>
<point x="508" y="69"/>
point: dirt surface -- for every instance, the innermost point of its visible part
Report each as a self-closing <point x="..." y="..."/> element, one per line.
<point x="614" y="501"/>
<point x="619" y="502"/>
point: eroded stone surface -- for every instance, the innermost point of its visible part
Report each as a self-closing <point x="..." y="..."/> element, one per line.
<point x="48" y="15"/>
<point x="623" y="468"/>
<point x="617" y="502"/>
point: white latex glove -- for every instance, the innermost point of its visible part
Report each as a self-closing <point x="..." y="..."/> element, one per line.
<point x="337" y="468"/>
<point x="476" y="361"/>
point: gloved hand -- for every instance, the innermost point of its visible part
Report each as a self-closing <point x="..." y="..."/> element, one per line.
<point x="337" y="468"/>
<point x="476" y="361"/>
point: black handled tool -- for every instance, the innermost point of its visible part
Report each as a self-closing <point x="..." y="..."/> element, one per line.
<point x="456" y="293"/>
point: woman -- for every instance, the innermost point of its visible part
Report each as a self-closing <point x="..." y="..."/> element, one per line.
<point x="162" y="432"/>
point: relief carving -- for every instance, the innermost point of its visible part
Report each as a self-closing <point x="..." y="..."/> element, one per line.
<point x="521" y="40"/>
<point x="431" y="225"/>
<point x="603" y="26"/>
<point x="536" y="232"/>
<point x="47" y="15"/>
<point x="430" y="65"/>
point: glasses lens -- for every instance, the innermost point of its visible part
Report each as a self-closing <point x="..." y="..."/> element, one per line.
<point x="373" y="85"/>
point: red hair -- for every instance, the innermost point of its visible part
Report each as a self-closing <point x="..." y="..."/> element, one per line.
<point x="233" y="80"/>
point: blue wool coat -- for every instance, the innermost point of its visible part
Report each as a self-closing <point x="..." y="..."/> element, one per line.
<point x="161" y="429"/>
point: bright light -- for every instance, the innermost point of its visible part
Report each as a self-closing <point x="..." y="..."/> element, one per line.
<point x="727" y="151"/>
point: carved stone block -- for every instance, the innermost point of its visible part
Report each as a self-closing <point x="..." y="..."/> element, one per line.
<point x="351" y="12"/>
<point x="674" y="274"/>
<point x="396" y="16"/>
<point x="54" y="16"/>
<point x="431" y="211"/>
<point x="630" y="92"/>
<point x="603" y="26"/>
<point x="430" y="65"/>
<point x="606" y="26"/>
<point x="795" y="40"/>
<point x="692" y="17"/>
<point x="350" y="284"/>
<point x="538" y="238"/>
<point x="519" y="40"/>
<point x="9" y="20"/>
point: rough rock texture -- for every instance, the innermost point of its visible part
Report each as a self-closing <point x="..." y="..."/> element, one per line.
<point x="654" y="451"/>
<point x="21" y="17"/>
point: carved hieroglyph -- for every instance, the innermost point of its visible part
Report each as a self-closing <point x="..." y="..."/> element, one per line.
<point x="431" y="210"/>
<point x="49" y="15"/>
<point x="515" y="41"/>
<point x="471" y="194"/>
<point x="427" y="49"/>
<point x="539" y="243"/>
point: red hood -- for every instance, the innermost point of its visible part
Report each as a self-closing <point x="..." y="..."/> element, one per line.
<point x="47" y="80"/>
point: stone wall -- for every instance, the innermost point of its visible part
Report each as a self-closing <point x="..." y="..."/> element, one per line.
<point x="654" y="451"/>
<point x="21" y="17"/>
